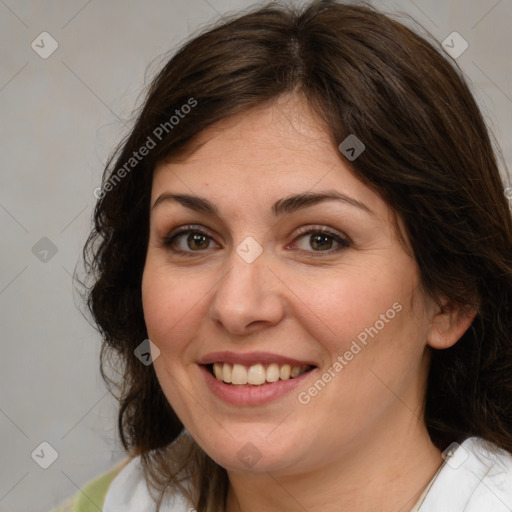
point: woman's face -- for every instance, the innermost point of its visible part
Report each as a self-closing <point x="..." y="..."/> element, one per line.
<point x="265" y="285"/>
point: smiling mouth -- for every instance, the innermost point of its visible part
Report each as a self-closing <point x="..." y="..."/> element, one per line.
<point x="256" y="374"/>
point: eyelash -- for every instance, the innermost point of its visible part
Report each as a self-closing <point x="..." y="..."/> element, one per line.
<point x="169" y="240"/>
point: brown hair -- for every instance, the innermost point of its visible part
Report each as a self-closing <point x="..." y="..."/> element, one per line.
<point x="428" y="154"/>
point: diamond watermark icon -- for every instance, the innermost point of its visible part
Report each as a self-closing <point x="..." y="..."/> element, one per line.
<point x="44" y="45"/>
<point x="249" y="454"/>
<point x="45" y="455"/>
<point x="249" y="249"/>
<point x="455" y="45"/>
<point x="147" y="352"/>
<point x="455" y="455"/>
<point x="351" y="147"/>
<point x="44" y="250"/>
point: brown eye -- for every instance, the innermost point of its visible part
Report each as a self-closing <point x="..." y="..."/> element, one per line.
<point x="321" y="240"/>
<point x="187" y="241"/>
<point x="197" y="241"/>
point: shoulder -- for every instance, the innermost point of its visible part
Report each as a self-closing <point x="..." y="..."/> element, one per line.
<point x="92" y="496"/>
<point x="129" y="492"/>
<point x="476" y="476"/>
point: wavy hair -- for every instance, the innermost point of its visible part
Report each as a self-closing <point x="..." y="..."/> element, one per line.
<point x="428" y="154"/>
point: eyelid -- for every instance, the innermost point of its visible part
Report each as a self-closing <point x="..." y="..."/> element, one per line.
<point x="168" y="239"/>
<point x="326" y="230"/>
<point x="340" y="238"/>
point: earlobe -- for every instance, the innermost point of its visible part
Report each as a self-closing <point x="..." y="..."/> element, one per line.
<point x="450" y="324"/>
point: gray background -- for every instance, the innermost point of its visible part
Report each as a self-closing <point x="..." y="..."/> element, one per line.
<point x="61" y="116"/>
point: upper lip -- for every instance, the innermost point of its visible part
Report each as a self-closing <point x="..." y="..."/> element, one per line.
<point x="251" y="358"/>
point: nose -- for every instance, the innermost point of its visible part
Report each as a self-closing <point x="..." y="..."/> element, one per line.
<point x="248" y="298"/>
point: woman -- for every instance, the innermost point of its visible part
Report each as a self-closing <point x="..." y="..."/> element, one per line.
<point x="308" y="222"/>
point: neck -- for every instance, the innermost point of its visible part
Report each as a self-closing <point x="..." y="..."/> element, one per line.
<point x="387" y="472"/>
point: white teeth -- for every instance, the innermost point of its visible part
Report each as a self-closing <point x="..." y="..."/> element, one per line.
<point x="239" y="374"/>
<point x="272" y="373"/>
<point x="218" y="371"/>
<point x="226" y="373"/>
<point x="295" y="371"/>
<point x="256" y="375"/>
<point x="284" y="372"/>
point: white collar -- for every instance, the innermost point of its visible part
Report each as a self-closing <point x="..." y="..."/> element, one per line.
<point x="476" y="477"/>
<point x="128" y="492"/>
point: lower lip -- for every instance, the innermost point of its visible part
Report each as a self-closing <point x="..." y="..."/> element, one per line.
<point x="251" y="395"/>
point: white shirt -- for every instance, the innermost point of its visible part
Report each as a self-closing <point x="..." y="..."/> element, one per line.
<point x="476" y="477"/>
<point x="128" y="492"/>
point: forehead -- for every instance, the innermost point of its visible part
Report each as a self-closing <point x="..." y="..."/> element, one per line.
<point x="262" y="155"/>
<point x="284" y="128"/>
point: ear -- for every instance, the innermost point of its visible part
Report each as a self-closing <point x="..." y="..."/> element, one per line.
<point x="449" y="324"/>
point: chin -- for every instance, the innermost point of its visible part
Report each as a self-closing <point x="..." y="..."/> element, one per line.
<point x="251" y="451"/>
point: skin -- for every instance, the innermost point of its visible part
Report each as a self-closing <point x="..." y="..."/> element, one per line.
<point x="360" y="444"/>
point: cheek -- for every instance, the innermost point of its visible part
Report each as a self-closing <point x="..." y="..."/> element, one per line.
<point x="169" y="301"/>
<point x="357" y="301"/>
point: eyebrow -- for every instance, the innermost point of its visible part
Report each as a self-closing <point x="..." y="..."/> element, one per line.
<point x="286" y="205"/>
